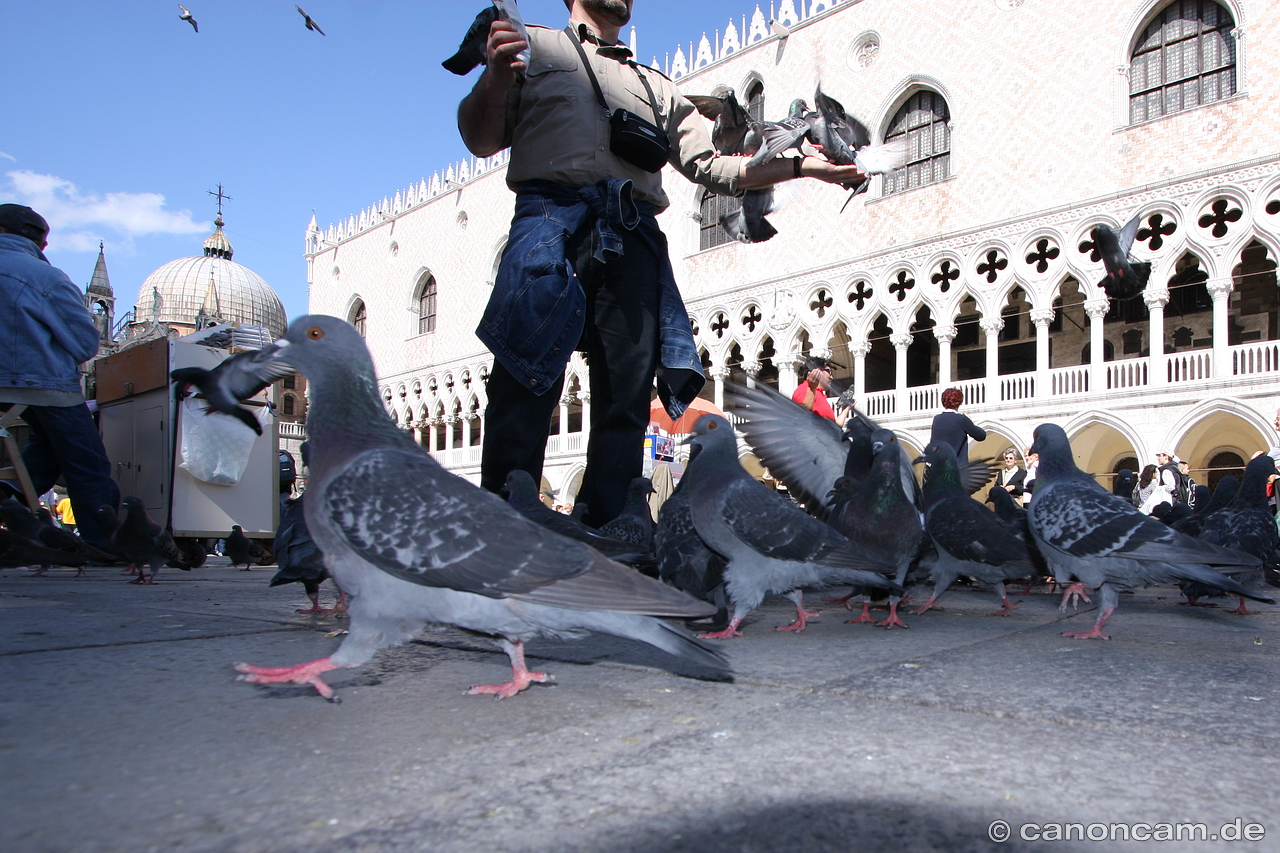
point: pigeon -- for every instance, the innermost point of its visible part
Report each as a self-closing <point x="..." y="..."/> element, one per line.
<point x="970" y="539"/>
<point x="19" y="520"/>
<point x="880" y="517"/>
<point x="1246" y="524"/>
<point x="242" y="549"/>
<point x="522" y="494"/>
<point x="472" y="50"/>
<point x="413" y="544"/>
<point x="771" y="546"/>
<point x="845" y="141"/>
<point x="1100" y="541"/>
<point x="17" y="551"/>
<point x="142" y="541"/>
<point x="237" y="377"/>
<point x="767" y="139"/>
<point x="299" y="559"/>
<point x="311" y="25"/>
<point x="1014" y="515"/>
<point x="1125" y="278"/>
<point x="635" y="523"/>
<point x="685" y="561"/>
<point x="186" y="16"/>
<point x="735" y="132"/>
<point x="1206" y="503"/>
<point x="731" y="122"/>
<point x="1123" y="485"/>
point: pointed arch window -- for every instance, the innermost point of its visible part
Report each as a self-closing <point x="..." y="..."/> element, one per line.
<point x="924" y="122"/>
<point x="360" y="317"/>
<point x="1185" y="57"/>
<point x="713" y="207"/>
<point x="427" y="305"/>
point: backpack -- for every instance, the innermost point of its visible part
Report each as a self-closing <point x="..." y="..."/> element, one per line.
<point x="1182" y="483"/>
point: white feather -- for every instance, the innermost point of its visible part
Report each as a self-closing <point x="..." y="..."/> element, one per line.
<point x="882" y="159"/>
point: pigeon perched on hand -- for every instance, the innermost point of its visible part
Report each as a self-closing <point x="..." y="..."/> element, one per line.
<point x="472" y="50"/>
<point x="732" y="123"/>
<point x="142" y="541"/>
<point x="969" y="538"/>
<point x="767" y="139"/>
<point x="237" y="377"/>
<point x="242" y="549"/>
<point x="1125" y="278"/>
<point x="311" y="25"/>
<point x="771" y="545"/>
<point x="413" y="544"/>
<point x="845" y="141"/>
<point x="186" y="16"/>
<point x="1099" y="541"/>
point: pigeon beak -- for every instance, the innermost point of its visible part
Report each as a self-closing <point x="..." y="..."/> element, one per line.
<point x="918" y="460"/>
<point x="877" y="446"/>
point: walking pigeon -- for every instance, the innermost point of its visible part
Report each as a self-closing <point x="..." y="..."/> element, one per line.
<point x="1125" y="278"/>
<point x="143" y="542"/>
<point x="969" y="538"/>
<point x="299" y="560"/>
<point x="18" y="551"/>
<point x="237" y="377"/>
<point x="1100" y="541"/>
<point x="522" y="494"/>
<point x="414" y="545"/>
<point x="242" y="549"/>
<point x="635" y="523"/>
<point x="472" y="50"/>
<point x="771" y="545"/>
<point x="1246" y="524"/>
<point x="685" y="561"/>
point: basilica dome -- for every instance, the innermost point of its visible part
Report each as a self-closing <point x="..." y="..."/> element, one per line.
<point x="194" y="292"/>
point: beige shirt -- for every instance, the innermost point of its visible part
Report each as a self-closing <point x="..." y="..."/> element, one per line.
<point x="559" y="132"/>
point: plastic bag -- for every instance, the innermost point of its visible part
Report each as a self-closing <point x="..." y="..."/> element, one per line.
<point x="215" y="447"/>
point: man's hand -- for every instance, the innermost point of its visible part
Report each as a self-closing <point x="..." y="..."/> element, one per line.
<point x="482" y="113"/>
<point x="503" y="47"/>
<point x="823" y="170"/>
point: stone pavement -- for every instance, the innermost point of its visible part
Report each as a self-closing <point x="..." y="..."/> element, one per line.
<point x="122" y="728"/>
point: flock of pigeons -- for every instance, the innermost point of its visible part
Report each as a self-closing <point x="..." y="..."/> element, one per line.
<point x="415" y="545"/>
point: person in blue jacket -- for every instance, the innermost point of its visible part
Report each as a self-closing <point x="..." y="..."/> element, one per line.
<point x="46" y="333"/>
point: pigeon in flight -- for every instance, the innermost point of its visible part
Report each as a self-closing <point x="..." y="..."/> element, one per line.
<point x="845" y="141"/>
<point x="186" y="16"/>
<point x="237" y="377"/>
<point x="311" y="25"/>
<point x="472" y="50"/>
<point x="732" y="124"/>
<point x="771" y="545"/>
<point x="1246" y="524"/>
<point x="1099" y="541"/>
<point x="242" y="549"/>
<point x="1125" y="278"/>
<point x="969" y="538"/>
<point x="415" y="545"/>
<point x="768" y="139"/>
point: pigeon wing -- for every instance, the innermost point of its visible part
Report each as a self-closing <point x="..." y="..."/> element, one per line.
<point x="1128" y="234"/>
<point x="969" y="531"/>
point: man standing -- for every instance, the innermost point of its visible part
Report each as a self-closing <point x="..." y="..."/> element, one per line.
<point x="811" y="393"/>
<point x="45" y="334"/>
<point x="586" y="266"/>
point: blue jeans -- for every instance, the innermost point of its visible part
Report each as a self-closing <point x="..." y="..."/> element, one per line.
<point x="65" y="442"/>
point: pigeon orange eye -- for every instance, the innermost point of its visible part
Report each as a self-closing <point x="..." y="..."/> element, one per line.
<point x="315" y="333"/>
<point x="712" y="425"/>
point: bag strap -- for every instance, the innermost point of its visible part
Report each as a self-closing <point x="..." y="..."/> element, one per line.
<point x="595" y="84"/>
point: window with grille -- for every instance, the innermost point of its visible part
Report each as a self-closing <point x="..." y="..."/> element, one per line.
<point x="713" y="207"/>
<point x="1185" y="57"/>
<point x="924" y="122"/>
<point x="360" y="318"/>
<point x="427" y="306"/>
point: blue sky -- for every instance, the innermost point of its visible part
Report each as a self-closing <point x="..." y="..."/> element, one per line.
<point x="119" y="118"/>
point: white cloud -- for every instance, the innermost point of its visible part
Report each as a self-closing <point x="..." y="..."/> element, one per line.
<point x="8" y="156"/>
<point x="76" y="218"/>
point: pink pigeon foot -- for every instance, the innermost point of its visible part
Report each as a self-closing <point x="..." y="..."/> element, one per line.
<point x="892" y="619"/>
<point x="731" y="631"/>
<point x="1094" y="633"/>
<point x="1242" y="610"/>
<point x="802" y="618"/>
<point x="521" y="677"/>
<point x="143" y="579"/>
<point x="865" y="617"/>
<point x="1075" y="592"/>
<point x="1007" y="609"/>
<point x="843" y="599"/>
<point x="928" y="605"/>
<point x="303" y="673"/>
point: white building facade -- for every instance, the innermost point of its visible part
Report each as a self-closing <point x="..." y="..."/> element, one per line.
<point x="1029" y="122"/>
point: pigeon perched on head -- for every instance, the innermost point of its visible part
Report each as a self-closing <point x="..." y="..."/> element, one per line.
<point x="298" y="558"/>
<point x="1125" y="278"/>
<point x="472" y="50"/>
<point x="880" y="517"/>
<point x="413" y="544"/>
<point x="771" y="545"/>
<point x="1100" y="541"/>
<point x="142" y="541"/>
<point x="522" y="494"/>
<point x="186" y="16"/>
<point x="969" y="538"/>
<point x="237" y="377"/>
<point x="311" y="25"/>
<point x="635" y="523"/>
<point x="1246" y="524"/>
<point x="241" y="549"/>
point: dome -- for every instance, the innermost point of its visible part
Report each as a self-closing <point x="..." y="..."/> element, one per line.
<point x="212" y="286"/>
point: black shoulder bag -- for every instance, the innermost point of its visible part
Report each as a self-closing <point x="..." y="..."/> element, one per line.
<point x="635" y="140"/>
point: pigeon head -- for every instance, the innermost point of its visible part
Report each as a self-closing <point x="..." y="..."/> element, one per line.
<point x="1053" y="446"/>
<point x="939" y="452"/>
<point x="520" y="488"/>
<point x="882" y="439"/>
<point x="712" y="431"/>
<point x="318" y="345"/>
<point x="235" y="528"/>
<point x="132" y="502"/>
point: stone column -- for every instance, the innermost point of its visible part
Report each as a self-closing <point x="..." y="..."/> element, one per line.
<point x="788" y="381"/>
<point x="585" y="398"/>
<point x="944" y="335"/>
<point x="1220" y="291"/>
<point x="1096" y="309"/>
<point x="991" y="327"/>
<point x="448" y="431"/>
<point x="466" y="428"/>
<point x="1157" y="364"/>
<point x="901" y="341"/>
<point x="859" y="352"/>
<point x="719" y="375"/>
<point x="421" y="432"/>
<point x="1041" y="318"/>
<point x="565" y="402"/>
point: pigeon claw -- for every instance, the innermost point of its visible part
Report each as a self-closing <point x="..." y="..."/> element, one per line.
<point x="1094" y="633"/>
<point x="1006" y="610"/>
<point x="731" y="631"/>
<point x="1243" y="611"/>
<point x="802" y="619"/>
<point x="893" y="619"/>
<point x="303" y="673"/>
<point x="519" y="681"/>
<point x="1075" y="592"/>
<point x="927" y="606"/>
<point x="865" y="617"/>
